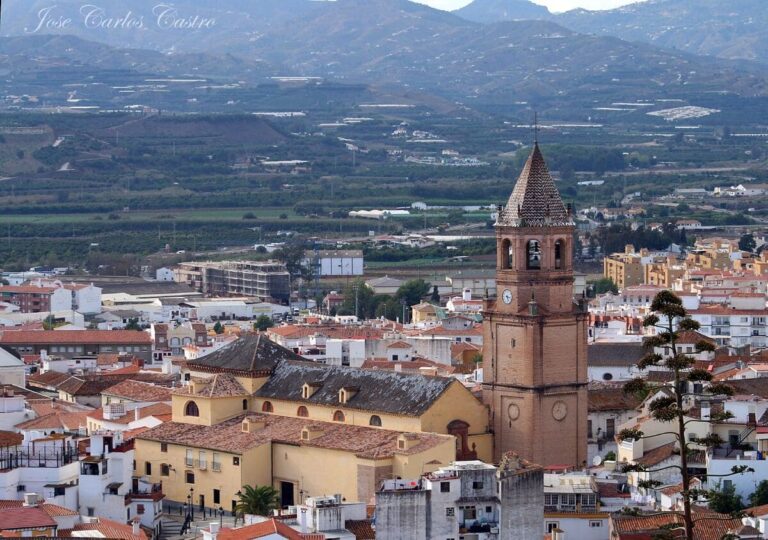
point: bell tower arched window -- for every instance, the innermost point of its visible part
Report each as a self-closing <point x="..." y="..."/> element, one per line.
<point x="559" y="252"/>
<point x="507" y="254"/>
<point x="533" y="255"/>
<point x="190" y="409"/>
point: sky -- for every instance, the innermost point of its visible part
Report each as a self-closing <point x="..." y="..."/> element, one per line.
<point x="553" y="5"/>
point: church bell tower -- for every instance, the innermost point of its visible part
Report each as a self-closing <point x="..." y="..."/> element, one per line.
<point x="535" y="335"/>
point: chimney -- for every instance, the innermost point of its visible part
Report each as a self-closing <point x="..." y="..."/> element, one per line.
<point x="311" y="432"/>
<point x="466" y="294"/>
<point x="30" y="499"/>
<point x="558" y="534"/>
<point x="136" y="526"/>
<point x="252" y="424"/>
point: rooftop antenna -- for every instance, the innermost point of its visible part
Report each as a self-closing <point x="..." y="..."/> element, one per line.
<point x="535" y="127"/>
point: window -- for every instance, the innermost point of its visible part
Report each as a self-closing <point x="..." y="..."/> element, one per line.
<point x="134" y="464"/>
<point x="302" y="412"/>
<point x="338" y="416"/>
<point x="236" y="461"/>
<point x="91" y="511"/>
<point x="551" y="526"/>
<point x="58" y="491"/>
<point x="533" y="255"/>
<point x="607" y="376"/>
<point x="189" y="477"/>
<point x="450" y="511"/>
<point x="191" y="409"/>
<point x="216" y="496"/>
<point x="477" y="485"/>
<point x="488" y="510"/>
<point x="595" y="524"/>
<point x="550" y="500"/>
<point x="203" y="461"/>
<point x="470" y="512"/>
<point x="445" y="487"/>
<point x="375" y="421"/>
<point x="267" y="407"/>
<point x="148" y="468"/>
<point x="610" y="427"/>
<point x="189" y="458"/>
<point x="165" y="470"/>
<point x="140" y="509"/>
<point x="559" y="254"/>
<point x="216" y="462"/>
<point x="163" y="447"/>
<point x="245" y="404"/>
<point x="589" y="429"/>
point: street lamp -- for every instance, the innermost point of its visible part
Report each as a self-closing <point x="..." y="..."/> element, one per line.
<point x="191" y="506"/>
<point x="221" y="516"/>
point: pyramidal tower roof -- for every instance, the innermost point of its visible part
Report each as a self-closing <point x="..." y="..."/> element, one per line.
<point x="535" y="201"/>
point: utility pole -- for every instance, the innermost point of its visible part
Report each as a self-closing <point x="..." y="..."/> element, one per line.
<point x="356" y="288"/>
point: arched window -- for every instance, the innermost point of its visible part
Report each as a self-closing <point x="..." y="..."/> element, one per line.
<point x="245" y="404"/>
<point x="338" y="416"/>
<point x="302" y="412"/>
<point x="507" y="255"/>
<point x="190" y="409"/>
<point x="375" y="421"/>
<point x="267" y="407"/>
<point x="559" y="254"/>
<point x="533" y="255"/>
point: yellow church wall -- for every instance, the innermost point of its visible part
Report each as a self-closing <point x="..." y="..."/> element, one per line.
<point x="212" y="410"/>
<point x="412" y="466"/>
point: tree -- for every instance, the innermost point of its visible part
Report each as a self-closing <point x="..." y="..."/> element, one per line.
<point x="747" y="242"/>
<point x="292" y="256"/>
<point x="263" y="322"/>
<point x="604" y="285"/>
<point x="259" y="500"/>
<point x="218" y="328"/>
<point x="435" y="297"/>
<point x="725" y="500"/>
<point x="668" y="317"/>
<point x="133" y="324"/>
<point x="412" y="291"/>
<point x="760" y="495"/>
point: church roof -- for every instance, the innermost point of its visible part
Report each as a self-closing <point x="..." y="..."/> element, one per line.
<point x="535" y="201"/>
<point x="251" y="353"/>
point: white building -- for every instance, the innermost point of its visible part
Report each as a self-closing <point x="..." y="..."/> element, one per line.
<point x="164" y="274"/>
<point x="12" y="369"/>
<point x="571" y="505"/>
<point x="335" y="263"/>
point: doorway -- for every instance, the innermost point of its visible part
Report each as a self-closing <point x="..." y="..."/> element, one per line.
<point x="286" y="494"/>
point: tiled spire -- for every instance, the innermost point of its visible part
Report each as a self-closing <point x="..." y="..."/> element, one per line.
<point x="535" y="201"/>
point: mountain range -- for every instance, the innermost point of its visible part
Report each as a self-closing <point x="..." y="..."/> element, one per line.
<point x="382" y="42"/>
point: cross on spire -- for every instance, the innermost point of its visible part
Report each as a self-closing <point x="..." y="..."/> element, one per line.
<point x="535" y="127"/>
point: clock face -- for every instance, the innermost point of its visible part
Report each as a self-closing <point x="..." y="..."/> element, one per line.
<point x="559" y="410"/>
<point x="507" y="296"/>
<point x="513" y="411"/>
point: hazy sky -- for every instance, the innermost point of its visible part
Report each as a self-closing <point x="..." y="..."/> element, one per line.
<point x="553" y="5"/>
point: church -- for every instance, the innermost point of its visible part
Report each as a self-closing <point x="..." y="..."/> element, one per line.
<point x="535" y="334"/>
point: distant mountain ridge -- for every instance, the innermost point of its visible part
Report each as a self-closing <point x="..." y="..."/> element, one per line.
<point x="491" y="11"/>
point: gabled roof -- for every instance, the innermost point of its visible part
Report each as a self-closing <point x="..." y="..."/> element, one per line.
<point x="535" y="200"/>
<point x="610" y="398"/>
<point x="268" y="528"/>
<point x="252" y="353"/>
<point x="614" y="354"/>
<point x="139" y="391"/>
<point x="30" y="517"/>
<point x="107" y="528"/>
<point x="220" y="385"/>
<point x="68" y="421"/>
<point x="385" y="391"/>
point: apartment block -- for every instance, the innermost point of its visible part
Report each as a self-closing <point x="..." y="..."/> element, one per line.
<point x="264" y="279"/>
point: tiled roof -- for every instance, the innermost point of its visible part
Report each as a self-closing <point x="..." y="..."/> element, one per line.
<point x="110" y="529"/>
<point x="610" y="398"/>
<point x="657" y="455"/>
<point x="706" y="529"/>
<point x="610" y="490"/>
<point x="139" y="391"/>
<point x="270" y="528"/>
<point x="228" y="436"/>
<point x="53" y="510"/>
<point x="692" y="337"/>
<point x="68" y="421"/>
<point x="535" y="200"/>
<point x="399" y="345"/>
<point x="251" y="353"/>
<point x="158" y="410"/>
<point x="220" y="385"/>
<point x="91" y="385"/>
<point x="361" y="528"/>
<point x="21" y="289"/>
<point x="475" y="330"/>
<point x="76" y="337"/>
<point x="30" y="517"/>
<point x="747" y="387"/>
<point x="42" y="407"/>
<point x="10" y="438"/>
<point x="412" y="366"/>
<point x="614" y="354"/>
<point x="756" y="511"/>
<point x="385" y="391"/>
<point x="49" y="379"/>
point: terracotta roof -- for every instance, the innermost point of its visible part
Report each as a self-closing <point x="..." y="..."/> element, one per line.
<point x="399" y="345"/>
<point x="31" y="517"/>
<point x="228" y="436"/>
<point x="158" y="410"/>
<point x="412" y="366"/>
<point x="139" y="391"/>
<point x="610" y="490"/>
<point x="385" y="391"/>
<point x="692" y="337"/>
<point x="10" y="438"/>
<point x="53" y="510"/>
<point x="110" y="529"/>
<point x="657" y="455"/>
<point x="251" y="353"/>
<point x="706" y="529"/>
<point x="757" y="387"/>
<point x="476" y="330"/>
<point x="610" y="398"/>
<point x="76" y="337"/>
<point x="269" y="528"/>
<point x="361" y="528"/>
<point x="761" y="510"/>
<point x="49" y="379"/>
<point x="21" y="289"/>
<point x="220" y="385"/>
<point x="535" y="200"/>
<point x="43" y="407"/>
<point x="68" y="421"/>
<point x="106" y="359"/>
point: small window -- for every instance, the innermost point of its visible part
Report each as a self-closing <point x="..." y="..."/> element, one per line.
<point x="236" y="461"/>
<point x="445" y="487"/>
<point x="163" y="447"/>
<point x="190" y="477"/>
<point x="338" y="416"/>
<point x="551" y="526"/>
<point x="477" y="485"/>
<point x="148" y="468"/>
<point x="140" y="509"/>
<point x="450" y="511"/>
<point x="216" y="496"/>
<point x="607" y="376"/>
<point x="488" y="510"/>
<point x="245" y="404"/>
<point x="534" y="255"/>
<point x="375" y="421"/>
<point x="302" y="412"/>
<point x="595" y="524"/>
<point x="91" y="511"/>
<point x="58" y="491"/>
<point x="267" y="407"/>
<point x="165" y="470"/>
<point x="191" y="409"/>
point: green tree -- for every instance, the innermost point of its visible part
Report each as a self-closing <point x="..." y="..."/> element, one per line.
<point x="604" y="285"/>
<point x="725" y="500"/>
<point x="412" y="291"/>
<point x="760" y="495"/>
<point x="133" y="324"/>
<point x="258" y="500"/>
<point x="747" y="242"/>
<point x="668" y="317"/>
<point x="263" y="322"/>
<point x="435" y="297"/>
<point x="218" y="328"/>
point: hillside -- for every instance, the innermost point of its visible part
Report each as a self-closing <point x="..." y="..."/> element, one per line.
<point x="733" y="29"/>
<point x="491" y="11"/>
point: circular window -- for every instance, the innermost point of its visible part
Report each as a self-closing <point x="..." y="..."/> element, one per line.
<point x="607" y="376"/>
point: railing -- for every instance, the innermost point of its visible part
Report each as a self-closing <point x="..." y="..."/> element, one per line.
<point x="14" y="457"/>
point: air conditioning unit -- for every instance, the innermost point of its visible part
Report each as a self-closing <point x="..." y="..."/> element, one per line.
<point x="494" y="530"/>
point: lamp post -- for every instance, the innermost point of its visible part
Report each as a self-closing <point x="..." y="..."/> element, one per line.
<point x="221" y="516"/>
<point x="191" y="505"/>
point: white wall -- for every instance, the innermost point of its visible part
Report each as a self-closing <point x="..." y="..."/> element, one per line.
<point x="579" y="528"/>
<point x="88" y="300"/>
<point x="61" y="300"/>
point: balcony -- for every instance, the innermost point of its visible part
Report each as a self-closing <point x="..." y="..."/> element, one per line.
<point x="202" y="465"/>
<point x="142" y="491"/>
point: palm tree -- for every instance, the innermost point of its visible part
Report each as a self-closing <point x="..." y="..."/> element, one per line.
<point x="259" y="500"/>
